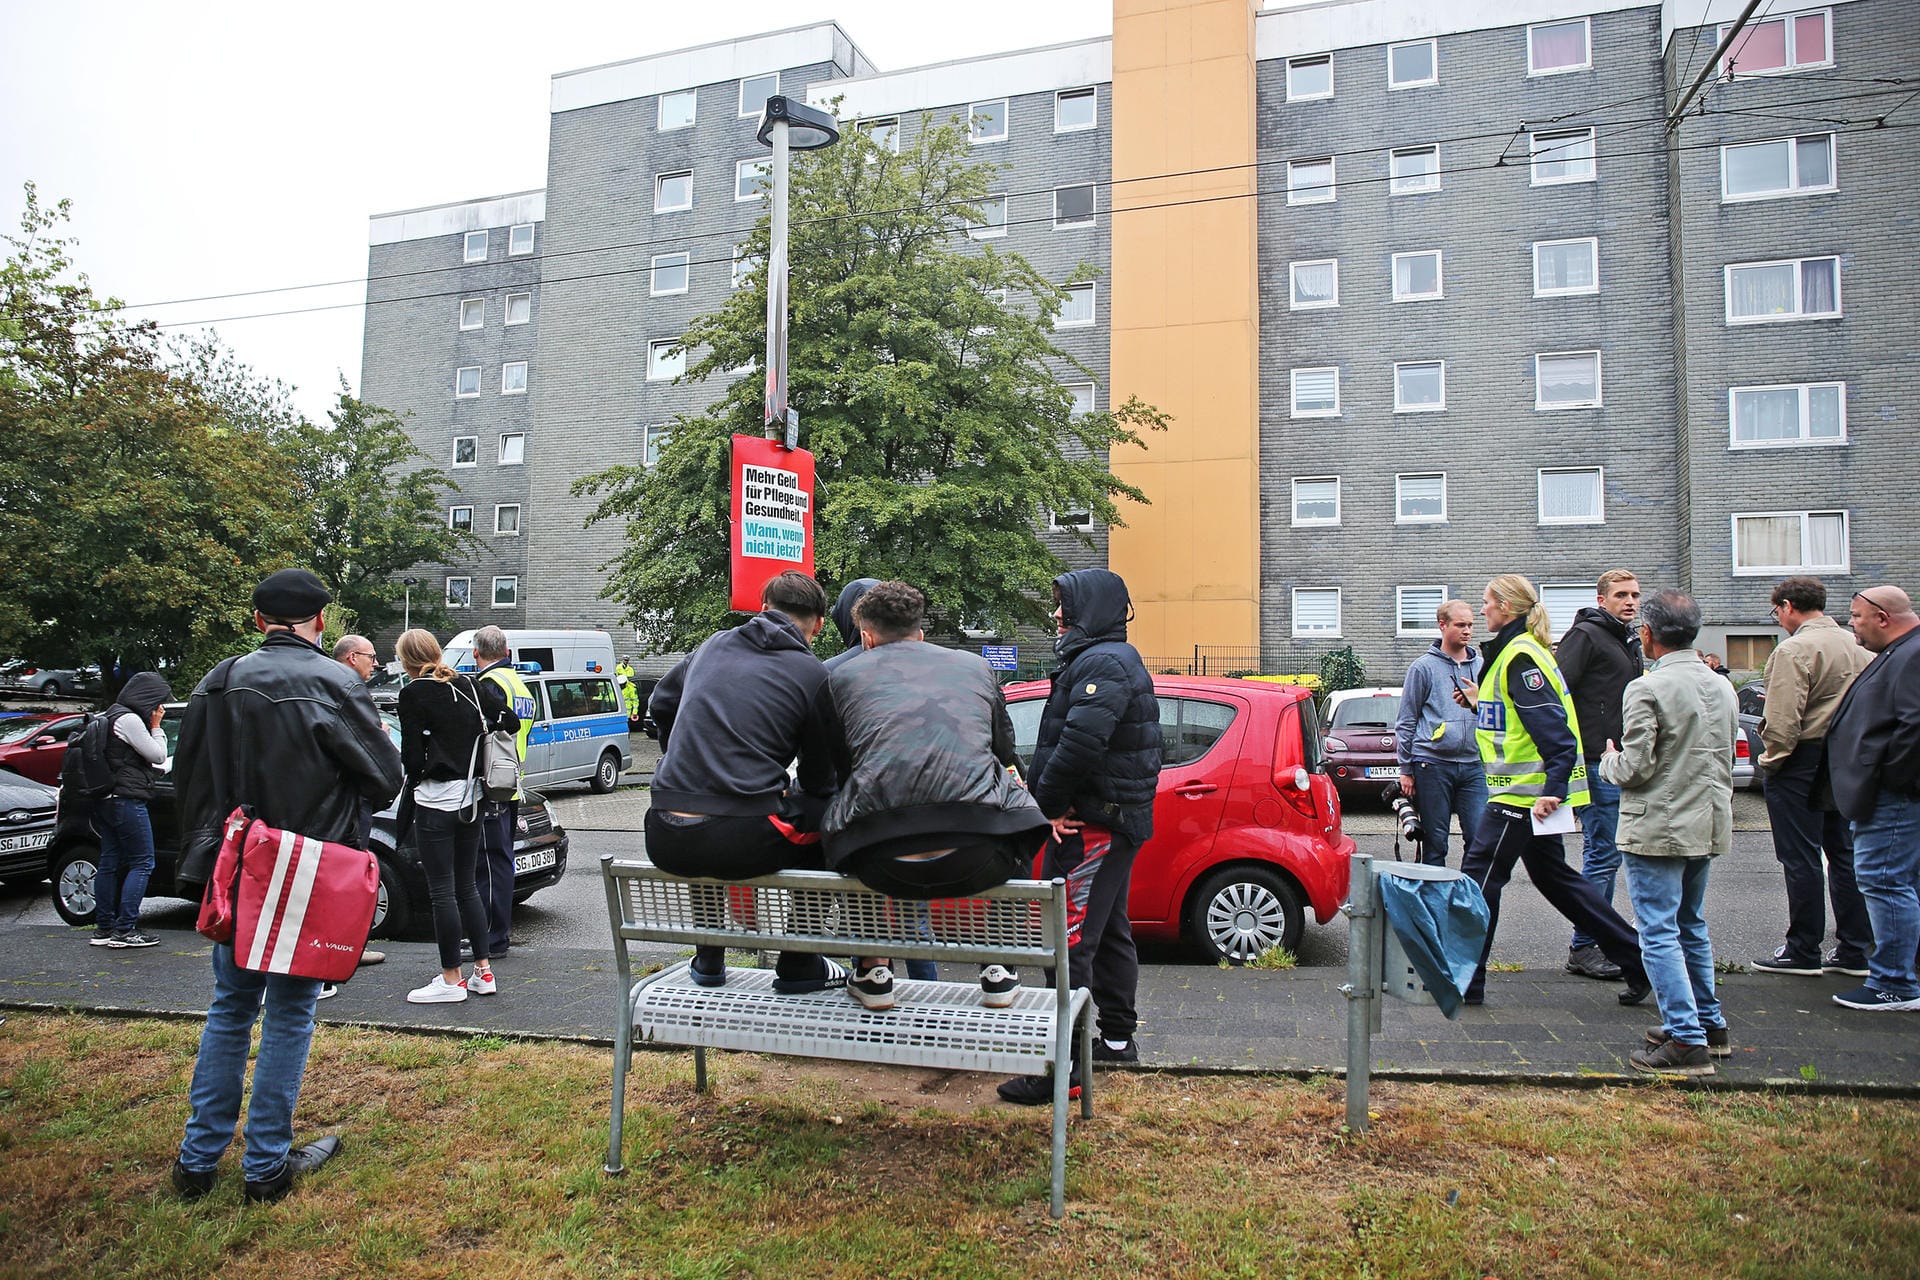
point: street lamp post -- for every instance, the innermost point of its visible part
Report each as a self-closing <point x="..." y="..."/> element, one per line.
<point x="786" y="125"/>
<point x="409" y="584"/>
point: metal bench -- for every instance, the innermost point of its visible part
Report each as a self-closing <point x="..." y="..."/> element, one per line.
<point x="933" y="1024"/>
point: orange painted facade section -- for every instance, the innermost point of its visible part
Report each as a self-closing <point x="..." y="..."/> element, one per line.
<point x="1185" y="319"/>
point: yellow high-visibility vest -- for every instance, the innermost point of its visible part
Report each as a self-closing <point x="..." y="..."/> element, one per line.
<point x="1516" y="773"/>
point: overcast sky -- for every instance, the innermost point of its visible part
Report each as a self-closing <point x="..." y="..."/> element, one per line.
<point x="217" y="147"/>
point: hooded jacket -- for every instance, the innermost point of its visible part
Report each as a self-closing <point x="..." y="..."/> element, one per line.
<point x="1597" y="657"/>
<point x="922" y="741"/>
<point x="1432" y="726"/>
<point x="732" y="714"/>
<point x="134" y="748"/>
<point x="1098" y="752"/>
<point x="843" y="619"/>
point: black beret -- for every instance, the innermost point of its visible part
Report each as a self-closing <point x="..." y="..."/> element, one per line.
<point x="291" y="594"/>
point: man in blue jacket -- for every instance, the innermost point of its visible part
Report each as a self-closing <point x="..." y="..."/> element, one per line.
<point x="1095" y="768"/>
<point x="1439" y="759"/>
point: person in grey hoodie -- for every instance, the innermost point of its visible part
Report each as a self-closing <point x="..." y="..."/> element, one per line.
<point x="1440" y="766"/>
<point x="136" y="749"/>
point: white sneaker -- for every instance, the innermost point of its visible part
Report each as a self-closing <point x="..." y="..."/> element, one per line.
<point x="997" y="985"/>
<point x="482" y="984"/>
<point x="439" y="991"/>
<point x="327" y="991"/>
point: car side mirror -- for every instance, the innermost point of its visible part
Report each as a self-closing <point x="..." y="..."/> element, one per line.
<point x="44" y="740"/>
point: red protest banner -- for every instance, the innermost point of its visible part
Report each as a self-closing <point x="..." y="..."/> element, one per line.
<point x="772" y="515"/>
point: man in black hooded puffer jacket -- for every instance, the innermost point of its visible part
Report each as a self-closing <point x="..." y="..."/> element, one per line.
<point x="1095" y="768"/>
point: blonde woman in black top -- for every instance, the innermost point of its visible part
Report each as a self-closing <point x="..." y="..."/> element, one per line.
<point x="443" y="715"/>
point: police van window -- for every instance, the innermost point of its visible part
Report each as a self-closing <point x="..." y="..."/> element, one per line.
<point x="602" y="698"/>
<point x="1189" y="728"/>
<point x="539" y="692"/>
<point x="542" y="656"/>
<point x="567" y="698"/>
<point x="1026" y="728"/>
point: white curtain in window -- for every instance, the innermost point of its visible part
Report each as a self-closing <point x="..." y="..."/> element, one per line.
<point x="1814" y="159"/>
<point x="1764" y="542"/>
<point x="1561" y="45"/>
<point x="1569" y="495"/>
<point x="1572" y="379"/>
<point x="1826" y="540"/>
<point x="1316" y="499"/>
<point x="1817" y="286"/>
<point x="1423" y="496"/>
<point x="1566" y="266"/>
<point x="1773" y="414"/>
<point x="1313" y="282"/>
<point x="1823" y="413"/>
<point x="1761" y="291"/>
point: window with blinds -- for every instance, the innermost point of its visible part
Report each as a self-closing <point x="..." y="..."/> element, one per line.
<point x="1316" y="611"/>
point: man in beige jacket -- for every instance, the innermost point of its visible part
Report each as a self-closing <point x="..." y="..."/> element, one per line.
<point x="1674" y="768"/>
<point x="1806" y="677"/>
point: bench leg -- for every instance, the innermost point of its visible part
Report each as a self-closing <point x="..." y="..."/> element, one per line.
<point x="1086" y="1063"/>
<point x="700" y="1069"/>
<point x="1057" y="1204"/>
<point x="622" y="1058"/>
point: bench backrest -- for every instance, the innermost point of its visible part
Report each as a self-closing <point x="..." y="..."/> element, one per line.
<point x="1020" y="922"/>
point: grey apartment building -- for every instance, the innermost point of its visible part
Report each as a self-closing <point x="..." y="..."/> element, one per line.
<point x="1507" y="319"/>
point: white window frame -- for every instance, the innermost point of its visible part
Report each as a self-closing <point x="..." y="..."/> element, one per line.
<point x="500" y="508"/>
<point x="1293" y="296"/>
<point x="1599" y="393"/>
<point x="1093" y="307"/>
<point x="507" y="309"/>
<point x="1088" y="92"/>
<point x="1769" y="570"/>
<point x="743" y="262"/>
<point x="759" y="108"/>
<point x="501" y="457"/>
<point x="1327" y="194"/>
<point x="453" y="517"/>
<point x="1791" y="39"/>
<point x="1073" y="519"/>
<point x="1428" y="182"/>
<point x="513" y="234"/>
<point x="654" y="361"/>
<point x="1399" y="498"/>
<point x="1804" y="441"/>
<point x="1799" y="313"/>
<point x="660" y="181"/>
<point x="1535" y="70"/>
<point x="1600" y="496"/>
<point x="992" y="230"/>
<point x="1439" y="276"/>
<point x="1434" y="61"/>
<point x="892" y="144"/>
<point x="1429" y="626"/>
<point x="659" y="260"/>
<point x="660" y="110"/>
<point x="1327" y="58"/>
<point x="1793" y="189"/>
<point x="459" y="604"/>
<point x="480" y="322"/>
<point x="1006" y="121"/>
<point x="1399" y="406"/>
<point x="1093" y="397"/>
<point x="514" y="603"/>
<point x="1093" y="215"/>
<point x="467" y="246"/>
<point x="1293" y="619"/>
<point x="759" y="168"/>
<point x="520" y="390"/>
<point x="1552" y="138"/>
<point x="474" y="461"/>
<point x="1582" y="593"/>
<point x="1293" y="493"/>
<point x="653" y="438"/>
<point x="1293" y="392"/>
<point x="1540" y="292"/>
<point x="474" y="394"/>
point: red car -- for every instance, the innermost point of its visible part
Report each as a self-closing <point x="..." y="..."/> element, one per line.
<point x="35" y="745"/>
<point x="1246" y="824"/>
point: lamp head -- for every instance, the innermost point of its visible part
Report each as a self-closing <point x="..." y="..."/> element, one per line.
<point x="808" y="128"/>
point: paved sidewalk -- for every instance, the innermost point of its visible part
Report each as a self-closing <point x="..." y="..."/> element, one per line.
<point x="1536" y="1026"/>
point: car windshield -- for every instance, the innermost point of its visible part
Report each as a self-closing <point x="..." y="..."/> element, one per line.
<point x="1376" y="712"/>
<point x="12" y="731"/>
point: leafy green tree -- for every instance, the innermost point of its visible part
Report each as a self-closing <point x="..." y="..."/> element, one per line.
<point x="933" y="408"/>
<point x="371" y="511"/>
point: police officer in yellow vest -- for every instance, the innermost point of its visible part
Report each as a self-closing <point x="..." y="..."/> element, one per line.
<point x="629" y="691"/>
<point x="500" y="819"/>
<point x="1529" y="742"/>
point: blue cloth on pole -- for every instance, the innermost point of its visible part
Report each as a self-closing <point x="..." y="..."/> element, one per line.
<point x="1442" y="925"/>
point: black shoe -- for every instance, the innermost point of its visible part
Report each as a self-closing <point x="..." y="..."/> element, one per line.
<point x="1673" y="1059"/>
<point x="712" y="973"/>
<point x="997" y="986"/>
<point x="1036" y="1091"/>
<point x="133" y="939"/>
<point x="1784" y="961"/>
<point x="1719" y="1043"/>
<point x="1591" y="962"/>
<point x="1102" y="1052"/>
<point x="873" y="988"/>
<point x="1853" y="967"/>
<point x="1638" y="989"/>
<point x="827" y="975"/>
<point x="189" y="1184"/>
<point x="299" y="1163"/>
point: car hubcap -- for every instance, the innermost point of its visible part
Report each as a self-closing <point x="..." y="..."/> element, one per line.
<point x="380" y="905"/>
<point x="76" y="887"/>
<point x="1245" y="920"/>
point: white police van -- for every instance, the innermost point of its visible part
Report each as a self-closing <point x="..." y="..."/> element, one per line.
<point x="579" y="730"/>
<point x="590" y="651"/>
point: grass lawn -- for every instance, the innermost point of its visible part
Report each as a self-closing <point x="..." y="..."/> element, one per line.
<point x="482" y="1159"/>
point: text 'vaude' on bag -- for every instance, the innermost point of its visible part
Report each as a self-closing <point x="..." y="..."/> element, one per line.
<point x="290" y="903"/>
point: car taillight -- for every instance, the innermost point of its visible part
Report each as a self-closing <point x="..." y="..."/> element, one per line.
<point x="1336" y="744"/>
<point x="1741" y="751"/>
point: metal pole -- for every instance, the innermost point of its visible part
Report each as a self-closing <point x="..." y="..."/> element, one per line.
<point x="407" y="619"/>
<point x="1720" y="52"/>
<point x="776" y="371"/>
<point x="1362" y="988"/>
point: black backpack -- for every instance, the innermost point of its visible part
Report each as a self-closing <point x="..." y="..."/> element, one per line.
<point x="85" y="771"/>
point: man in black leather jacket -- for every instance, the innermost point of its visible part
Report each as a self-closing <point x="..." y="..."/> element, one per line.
<point x="292" y="733"/>
<point x="1095" y="768"/>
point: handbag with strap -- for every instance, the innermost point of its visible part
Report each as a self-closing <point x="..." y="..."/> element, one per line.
<point x="290" y="903"/>
<point x="496" y="760"/>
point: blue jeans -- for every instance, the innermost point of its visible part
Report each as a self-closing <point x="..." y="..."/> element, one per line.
<point x="220" y="1072"/>
<point x="1668" y="896"/>
<point x="1886" y="858"/>
<point x="126" y="861"/>
<point x="1601" y="862"/>
<point x="1442" y="791"/>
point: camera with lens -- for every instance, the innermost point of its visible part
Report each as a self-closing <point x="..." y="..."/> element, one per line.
<point x="1403" y="812"/>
